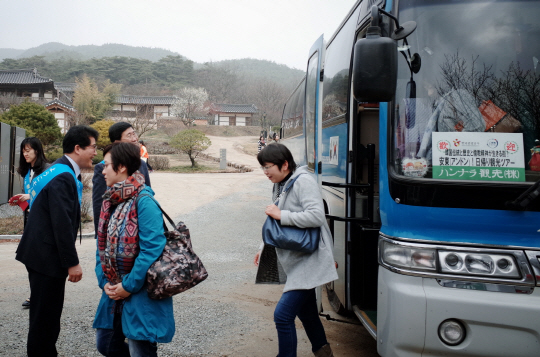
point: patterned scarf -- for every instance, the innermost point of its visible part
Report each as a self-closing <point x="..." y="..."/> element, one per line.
<point x="118" y="232"/>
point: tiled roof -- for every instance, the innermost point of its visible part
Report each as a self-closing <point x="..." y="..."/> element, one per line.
<point x="65" y="87"/>
<point x="60" y="103"/>
<point x="233" y="108"/>
<point x="22" y="76"/>
<point x="134" y="99"/>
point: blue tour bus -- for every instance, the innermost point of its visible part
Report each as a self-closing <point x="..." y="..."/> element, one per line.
<point x="419" y="120"/>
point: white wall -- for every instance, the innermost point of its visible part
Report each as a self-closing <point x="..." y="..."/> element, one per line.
<point x="224" y="121"/>
<point x="161" y="109"/>
<point x="240" y="121"/>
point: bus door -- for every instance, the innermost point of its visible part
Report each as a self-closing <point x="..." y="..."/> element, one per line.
<point x="363" y="205"/>
<point x="312" y="108"/>
<point x="312" y="120"/>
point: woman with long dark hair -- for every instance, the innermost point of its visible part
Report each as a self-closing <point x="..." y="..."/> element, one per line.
<point x="32" y="163"/>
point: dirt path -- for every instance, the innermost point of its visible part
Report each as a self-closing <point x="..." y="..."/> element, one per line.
<point x="235" y="149"/>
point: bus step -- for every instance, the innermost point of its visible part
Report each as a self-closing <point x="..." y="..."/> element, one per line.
<point x="368" y="319"/>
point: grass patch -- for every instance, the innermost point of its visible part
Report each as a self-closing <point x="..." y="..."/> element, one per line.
<point x="11" y="225"/>
<point x="190" y="170"/>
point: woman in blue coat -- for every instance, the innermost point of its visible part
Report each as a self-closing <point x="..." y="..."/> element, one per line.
<point x="130" y="239"/>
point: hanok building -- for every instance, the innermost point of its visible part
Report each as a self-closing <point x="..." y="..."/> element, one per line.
<point x="65" y="91"/>
<point x="233" y="114"/>
<point x="27" y="83"/>
<point x="62" y="112"/>
<point x="132" y="106"/>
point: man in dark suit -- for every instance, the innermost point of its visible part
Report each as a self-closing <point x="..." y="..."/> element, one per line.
<point x="123" y="132"/>
<point x="47" y="246"/>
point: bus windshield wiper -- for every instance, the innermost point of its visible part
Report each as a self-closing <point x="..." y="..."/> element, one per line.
<point x="525" y="199"/>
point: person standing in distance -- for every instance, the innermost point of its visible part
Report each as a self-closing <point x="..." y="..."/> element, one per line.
<point x="118" y="132"/>
<point x="47" y="246"/>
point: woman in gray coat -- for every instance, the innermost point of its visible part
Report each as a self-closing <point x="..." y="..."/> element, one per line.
<point x="301" y="206"/>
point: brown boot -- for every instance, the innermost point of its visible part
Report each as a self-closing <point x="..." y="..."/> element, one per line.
<point x="324" y="351"/>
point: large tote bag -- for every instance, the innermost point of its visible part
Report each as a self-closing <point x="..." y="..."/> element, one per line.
<point x="178" y="268"/>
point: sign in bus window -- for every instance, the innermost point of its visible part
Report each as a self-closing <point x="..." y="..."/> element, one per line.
<point x="478" y="156"/>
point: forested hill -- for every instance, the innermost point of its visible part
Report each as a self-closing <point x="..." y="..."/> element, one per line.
<point x="169" y="72"/>
<point x="263" y="69"/>
<point x="56" y="50"/>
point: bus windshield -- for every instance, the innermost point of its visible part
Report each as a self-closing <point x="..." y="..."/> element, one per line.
<point x="467" y="104"/>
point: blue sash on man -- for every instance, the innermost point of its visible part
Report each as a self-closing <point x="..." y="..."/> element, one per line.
<point x="40" y="181"/>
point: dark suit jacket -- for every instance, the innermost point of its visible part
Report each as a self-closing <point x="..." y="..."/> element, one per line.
<point x="99" y="186"/>
<point x="48" y="242"/>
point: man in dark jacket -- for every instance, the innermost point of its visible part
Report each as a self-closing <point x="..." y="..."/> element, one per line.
<point x="47" y="246"/>
<point x="123" y="132"/>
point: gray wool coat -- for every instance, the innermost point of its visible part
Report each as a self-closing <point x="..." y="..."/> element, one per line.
<point x="302" y="206"/>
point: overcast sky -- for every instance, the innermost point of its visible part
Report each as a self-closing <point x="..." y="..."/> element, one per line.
<point x="202" y="30"/>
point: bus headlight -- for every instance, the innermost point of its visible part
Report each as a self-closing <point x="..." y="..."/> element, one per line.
<point x="409" y="257"/>
<point x="483" y="264"/>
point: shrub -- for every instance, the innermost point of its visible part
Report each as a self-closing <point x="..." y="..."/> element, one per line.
<point x="54" y="155"/>
<point x="102" y="126"/>
<point x="98" y="158"/>
<point x="158" y="162"/>
<point x="191" y="142"/>
<point x="37" y="121"/>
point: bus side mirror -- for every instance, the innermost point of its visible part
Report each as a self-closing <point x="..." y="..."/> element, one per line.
<point x="374" y="67"/>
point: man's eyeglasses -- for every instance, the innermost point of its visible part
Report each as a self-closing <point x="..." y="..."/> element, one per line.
<point x="266" y="168"/>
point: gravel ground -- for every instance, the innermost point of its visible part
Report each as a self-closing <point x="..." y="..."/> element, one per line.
<point x="222" y="234"/>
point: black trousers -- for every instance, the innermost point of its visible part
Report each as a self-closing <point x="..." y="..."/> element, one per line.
<point x="47" y="302"/>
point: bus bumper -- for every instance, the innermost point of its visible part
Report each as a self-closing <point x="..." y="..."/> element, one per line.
<point x="410" y="310"/>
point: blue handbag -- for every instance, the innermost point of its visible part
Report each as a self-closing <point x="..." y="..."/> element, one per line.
<point x="304" y="240"/>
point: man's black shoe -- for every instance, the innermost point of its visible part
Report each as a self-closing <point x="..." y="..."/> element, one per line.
<point x="26" y="303"/>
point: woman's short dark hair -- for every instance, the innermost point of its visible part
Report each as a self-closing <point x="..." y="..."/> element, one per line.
<point x="277" y="154"/>
<point x="41" y="162"/>
<point x="125" y="154"/>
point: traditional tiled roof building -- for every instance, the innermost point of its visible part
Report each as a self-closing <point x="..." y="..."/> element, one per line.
<point x="130" y="106"/>
<point x="233" y="114"/>
<point x="26" y="83"/>
<point x="62" y="112"/>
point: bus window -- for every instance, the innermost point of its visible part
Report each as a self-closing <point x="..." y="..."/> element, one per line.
<point x="311" y="108"/>
<point x="299" y="112"/>
<point x="469" y="113"/>
<point x="292" y="115"/>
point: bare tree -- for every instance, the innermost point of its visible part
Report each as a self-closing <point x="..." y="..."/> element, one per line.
<point x="7" y="100"/>
<point x="143" y="121"/>
<point x="270" y="98"/>
<point x="191" y="103"/>
<point x="220" y="82"/>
